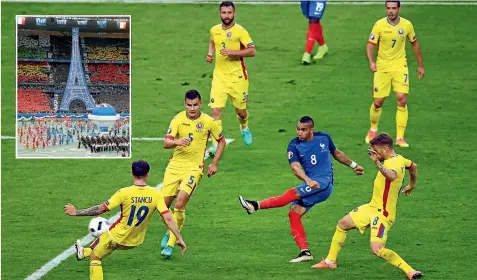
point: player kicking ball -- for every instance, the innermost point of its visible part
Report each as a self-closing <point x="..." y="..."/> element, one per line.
<point x="380" y="213"/>
<point x="138" y="203"/>
<point x="311" y="151"/>
<point x="313" y="11"/>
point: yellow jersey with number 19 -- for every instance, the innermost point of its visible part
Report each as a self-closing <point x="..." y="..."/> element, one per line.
<point x="138" y="204"/>
<point x="198" y="131"/>
<point x="234" y="38"/>
<point x="391" y="41"/>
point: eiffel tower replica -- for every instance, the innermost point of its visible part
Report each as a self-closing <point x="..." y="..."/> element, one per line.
<point x="76" y="88"/>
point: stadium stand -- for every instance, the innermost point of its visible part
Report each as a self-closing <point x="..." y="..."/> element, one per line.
<point x="33" y="101"/>
<point x="32" y="72"/>
<point x="108" y="73"/>
<point x="50" y="72"/>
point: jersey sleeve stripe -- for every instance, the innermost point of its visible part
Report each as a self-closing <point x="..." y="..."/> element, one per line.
<point x="220" y="138"/>
<point x="105" y="205"/>
<point x="95" y="242"/>
<point x="164" y="212"/>
<point x="412" y="163"/>
<point x="243" y="63"/>
<point x="372" y="43"/>
<point x="170" y="137"/>
<point x="119" y="219"/>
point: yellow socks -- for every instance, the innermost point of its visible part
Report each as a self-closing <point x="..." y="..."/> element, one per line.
<point x="401" y="121"/>
<point x="374" y="115"/>
<point x="179" y="217"/>
<point x="87" y="252"/>
<point x="393" y="258"/>
<point x="95" y="270"/>
<point x="338" y="239"/>
<point x="243" y="122"/>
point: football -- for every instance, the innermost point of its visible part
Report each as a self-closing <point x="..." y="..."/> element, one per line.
<point x="98" y="225"/>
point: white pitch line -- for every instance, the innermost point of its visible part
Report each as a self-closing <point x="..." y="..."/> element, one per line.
<point x="423" y="3"/>
<point x="42" y="271"/>
<point x="134" y="138"/>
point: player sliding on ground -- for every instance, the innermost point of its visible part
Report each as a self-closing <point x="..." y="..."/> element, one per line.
<point x="138" y="203"/>
<point x="380" y="213"/>
<point x="188" y="134"/>
<point x="312" y="151"/>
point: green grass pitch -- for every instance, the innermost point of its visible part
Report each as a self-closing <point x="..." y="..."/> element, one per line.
<point x="433" y="230"/>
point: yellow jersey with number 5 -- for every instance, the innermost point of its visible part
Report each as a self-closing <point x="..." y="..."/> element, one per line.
<point x="234" y="38"/>
<point x="198" y="131"/>
<point x="391" y="42"/>
<point x="138" y="204"/>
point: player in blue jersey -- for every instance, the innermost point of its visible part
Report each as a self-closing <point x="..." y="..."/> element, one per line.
<point x="313" y="11"/>
<point x="311" y="151"/>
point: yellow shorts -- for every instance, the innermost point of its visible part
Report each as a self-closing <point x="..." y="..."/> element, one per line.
<point x="176" y="180"/>
<point x="103" y="245"/>
<point x="383" y="81"/>
<point x="365" y="216"/>
<point x="237" y="91"/>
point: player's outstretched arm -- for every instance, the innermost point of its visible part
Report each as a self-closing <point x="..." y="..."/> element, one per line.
<point x="218" y="154"/>
<point x="420" y="64"/>
<point x="92" y="211"/>
<point x="412" y="181"/>
<point x="344" y="159"/>
<point x="171" y="224"/>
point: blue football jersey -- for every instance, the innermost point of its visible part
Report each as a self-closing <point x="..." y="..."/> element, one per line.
<point x="314" y="156"/>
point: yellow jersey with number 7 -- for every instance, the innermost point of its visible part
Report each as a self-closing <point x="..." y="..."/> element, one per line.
<point x="391" y="42"/>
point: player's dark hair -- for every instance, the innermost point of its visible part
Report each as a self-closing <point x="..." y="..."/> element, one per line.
<point x="383" y="139"/>
<point x="192" y="94"/>
<point x="140" y="168"/>
<point x="227" y="4"/>
<point x="307" y="119"/>
<point x="393" y="1"/>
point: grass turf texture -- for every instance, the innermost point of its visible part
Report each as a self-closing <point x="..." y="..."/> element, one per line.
<point x="169" y="44"/>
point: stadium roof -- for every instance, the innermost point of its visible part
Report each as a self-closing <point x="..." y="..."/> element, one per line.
<point x="93" y="24"/>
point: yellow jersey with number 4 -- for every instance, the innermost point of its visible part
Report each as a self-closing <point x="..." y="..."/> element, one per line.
<point x="385" y="192"/>
<point x="234" y="38"/>
<point x="138" y="204"/>
<point x="198" y="131"/>
<point x="391" y="42"/>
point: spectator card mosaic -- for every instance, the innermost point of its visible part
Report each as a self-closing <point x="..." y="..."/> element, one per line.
<point x="73" y="87"/>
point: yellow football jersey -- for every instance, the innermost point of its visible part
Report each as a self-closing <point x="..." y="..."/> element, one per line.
<point x="198" y="130"/>
<point x="391" y="41"/>
<point x="385" y="192"/>
<point x="234" y="38"/>
<point x="137" y="207"/>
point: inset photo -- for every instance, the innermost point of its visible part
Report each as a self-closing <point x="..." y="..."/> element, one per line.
<point x="73" y="87"/>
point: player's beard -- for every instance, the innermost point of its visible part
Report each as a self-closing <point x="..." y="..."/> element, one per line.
<point x="392" y="17"/>
<point x="227" y="21"/>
